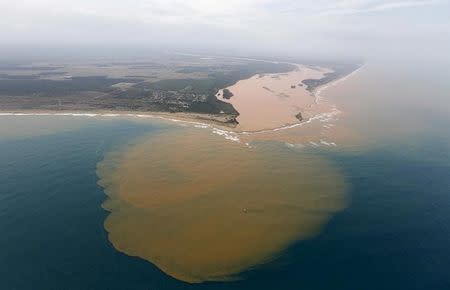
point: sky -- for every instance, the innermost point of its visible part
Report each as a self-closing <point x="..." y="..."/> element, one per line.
<point x="361" y="28"/>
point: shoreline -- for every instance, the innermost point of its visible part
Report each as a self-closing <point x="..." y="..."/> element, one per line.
<point x="192" y="118"/>
<point x="217" y="123"/>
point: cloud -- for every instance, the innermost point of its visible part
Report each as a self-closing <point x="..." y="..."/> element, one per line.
<point x="364" y="6"/>
<point x="276" y="25"/>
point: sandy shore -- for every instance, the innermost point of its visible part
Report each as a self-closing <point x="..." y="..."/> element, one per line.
<point x="271" y="101"/>
<point x="192" y="118"/>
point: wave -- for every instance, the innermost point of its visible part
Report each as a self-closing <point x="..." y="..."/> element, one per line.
<point x="227" y="134"/>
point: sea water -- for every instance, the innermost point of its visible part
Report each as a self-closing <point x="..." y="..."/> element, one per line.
<point x="386" y="226"/>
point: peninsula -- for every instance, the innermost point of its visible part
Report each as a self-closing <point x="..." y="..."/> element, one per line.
<point x="216" y="89"/>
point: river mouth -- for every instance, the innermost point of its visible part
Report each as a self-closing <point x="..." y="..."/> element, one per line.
<point x="203" y="209"/>
<point x="270" y="101"/>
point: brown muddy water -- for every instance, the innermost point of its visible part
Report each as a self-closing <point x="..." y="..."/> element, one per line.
<point x="203" y="208"/>
<point x="267" y="101"/>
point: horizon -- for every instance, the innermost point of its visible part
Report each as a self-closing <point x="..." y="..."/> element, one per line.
<point x="357" y="29"/>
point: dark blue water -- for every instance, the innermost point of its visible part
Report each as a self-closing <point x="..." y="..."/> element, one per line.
<point x="394" y="235"/>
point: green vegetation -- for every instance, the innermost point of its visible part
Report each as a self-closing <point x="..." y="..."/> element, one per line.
<point x="339" y="70"/>
<point x="227" y="94"/>
<point x="28" y="86"/>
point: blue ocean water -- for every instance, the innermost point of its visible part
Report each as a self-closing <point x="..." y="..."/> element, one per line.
<point x="395" y="234"/>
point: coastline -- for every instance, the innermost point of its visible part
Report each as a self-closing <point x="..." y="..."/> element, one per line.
<point x="220" y="124"/>
<point x="179" y="117"/>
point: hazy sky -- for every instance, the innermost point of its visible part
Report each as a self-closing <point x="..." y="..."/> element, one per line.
<point x="291" y="27"/>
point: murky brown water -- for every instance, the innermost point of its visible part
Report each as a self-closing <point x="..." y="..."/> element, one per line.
<point x="202" y="208"/>
<point x="273" y="100"/>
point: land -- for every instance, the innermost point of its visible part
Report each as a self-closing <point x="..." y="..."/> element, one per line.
<point x="184" y="86"/>
<point x="168" y="83"/>
<point x="227" y="94"/>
